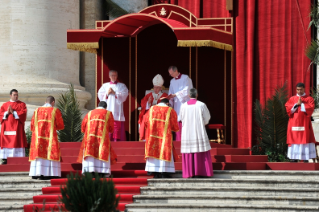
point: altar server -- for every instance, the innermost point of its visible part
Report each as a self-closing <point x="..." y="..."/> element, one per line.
<point x="96" y="153"/>
<point x="45" y="149"/>
<point x="300" y="136"/>
<point x="115" y="94"/>
<point x="195" y="146"/>
<point x="13" y="140"/>
<point x="160" y="154"/>
<point x="178" y="93"/>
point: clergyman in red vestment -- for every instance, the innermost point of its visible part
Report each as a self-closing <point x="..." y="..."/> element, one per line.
<point x="13" y="140"/>
<point x="45" y="149"/>
<point x="96" y="153"/>
<point x="160" y="154"/>
<point x="300" y="136"/>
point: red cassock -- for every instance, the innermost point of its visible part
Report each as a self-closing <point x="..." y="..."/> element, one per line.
<point x="144" y="103"/>
<point x="299" y="126"/>
<point x="12" y="130"/>
<point x="160" y="121"/>
<point x="44" y="125"/>
<point x="96" y="126"/>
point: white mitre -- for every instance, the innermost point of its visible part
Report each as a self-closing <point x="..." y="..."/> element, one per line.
<point x="158" y="80"/>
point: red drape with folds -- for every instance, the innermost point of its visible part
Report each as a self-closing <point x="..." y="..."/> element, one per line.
<point x="270" y="39"/>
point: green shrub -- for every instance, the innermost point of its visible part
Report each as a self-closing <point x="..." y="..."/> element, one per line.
<point x="28" y="134"/>
<point x="72" y="116"/>
<point x="271" y="126"/>
<point x="82" y="193"/>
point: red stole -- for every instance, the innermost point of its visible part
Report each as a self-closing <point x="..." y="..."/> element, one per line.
<point x="299" y="126"/>
<point x="12" y="130"/>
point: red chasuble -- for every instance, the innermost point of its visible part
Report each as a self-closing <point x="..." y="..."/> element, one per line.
<point x="299" y="126"/>
<point x="97" y="125"/>
<point x="44" y="143"/>
<point x="12" y="130"/>
<point x="160" y="121"/>
<point x="144" y="103"/>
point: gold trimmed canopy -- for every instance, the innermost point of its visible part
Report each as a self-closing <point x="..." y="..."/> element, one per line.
<point x="189" y="30"/>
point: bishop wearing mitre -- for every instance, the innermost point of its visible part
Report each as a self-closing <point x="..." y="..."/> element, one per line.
<point x="13" y="140"/>
<point x="153" y="98"/>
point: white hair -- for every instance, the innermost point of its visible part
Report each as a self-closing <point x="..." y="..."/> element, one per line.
<point x="113" y="71"/>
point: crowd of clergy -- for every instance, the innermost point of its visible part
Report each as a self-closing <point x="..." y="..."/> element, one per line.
<point x="164" y="117"/>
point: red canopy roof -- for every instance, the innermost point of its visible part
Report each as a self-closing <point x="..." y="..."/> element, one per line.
<point x="189" y="30"/>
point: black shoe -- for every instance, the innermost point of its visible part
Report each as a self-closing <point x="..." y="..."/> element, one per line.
<point x="166" y="175"/>
<point x="35" y="177"/>
<point x="157" y="175"/>
<point x="294" y="161"/>
<point x="306" y="161"/>
<point x="4" y="161"/>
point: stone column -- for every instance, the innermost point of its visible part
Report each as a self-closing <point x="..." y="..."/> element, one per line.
<point x="33" y="54"/>
<point x="91" y="11"/>
<point x="132" y="6"/>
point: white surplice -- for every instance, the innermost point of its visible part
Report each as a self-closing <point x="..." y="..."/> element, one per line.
<point x="194" y="118"/>
<point x="91" y="164"/>
<point x="114" y="102"/>
<point x="180" y="87"/>
<point x="156" y="165"/>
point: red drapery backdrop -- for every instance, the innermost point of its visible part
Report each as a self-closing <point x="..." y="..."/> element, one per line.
<point x="270" y="40"/>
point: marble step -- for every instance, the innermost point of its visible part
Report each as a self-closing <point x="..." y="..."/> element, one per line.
<point x="179" y="207"/>
<point x="232" y="191"/>
<point x="217" y="182"/>
<point x="265" y="174"/>
<point x="18" y="192"/>
<point x="16" y="200"/>
<point x="24" y="183"/>
<point x="216" y="199"/>
<point x="14" y="175"/>
<point x="11" y="208"/>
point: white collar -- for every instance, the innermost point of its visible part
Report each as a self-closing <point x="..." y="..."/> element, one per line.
<point x="100" y="108"/>
<point x="304" y="94"/>
<point x="47" y="105"/>
<point x="12" y="100"/>
<point x="162" y="104"/>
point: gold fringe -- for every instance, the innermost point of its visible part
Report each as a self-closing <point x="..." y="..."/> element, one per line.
<point x="208" y="43"/>
<point x="84" y="47"/>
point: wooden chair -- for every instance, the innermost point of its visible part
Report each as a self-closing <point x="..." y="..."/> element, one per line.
<point x="218" y="127"/>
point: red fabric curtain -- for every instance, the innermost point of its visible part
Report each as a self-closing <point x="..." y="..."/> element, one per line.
<point x="269" y="41"/>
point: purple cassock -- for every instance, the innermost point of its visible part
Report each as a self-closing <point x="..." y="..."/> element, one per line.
<point x="196" y="163"/>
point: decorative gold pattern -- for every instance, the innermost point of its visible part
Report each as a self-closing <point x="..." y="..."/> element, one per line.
<point x="88" y="127"/>
<point x="165" y="131"/>
<point x="208" y="43"/>
<point x="84" y="47"/>
<point x="130" y="88"/>
<point x="51" y="133"/>
<point x="104" y="134"/>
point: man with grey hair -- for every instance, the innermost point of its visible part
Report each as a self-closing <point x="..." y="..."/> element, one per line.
<point x="195" y="146"/>
<point x="178" y="93"/>
<point x="114" y="94"/>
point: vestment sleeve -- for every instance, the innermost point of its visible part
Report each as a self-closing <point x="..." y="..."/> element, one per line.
<point x="121" y="94"/>
<point x="59" y="124"/>
<point x="174" y="122"/>
<point x="309" y="106"/>
<point x="84" y="122"/>
<point x="143" y="126"/>
<point x="183" y="94"/>
<point x="289" y="105"/>
<point x="206" y="114"/>
<point x="22" y="112"/>
<point x="102" y="93"/>
<point x="32" y="121"/>
<point x="2" y="112"/>
<point x="111" y="123"/>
